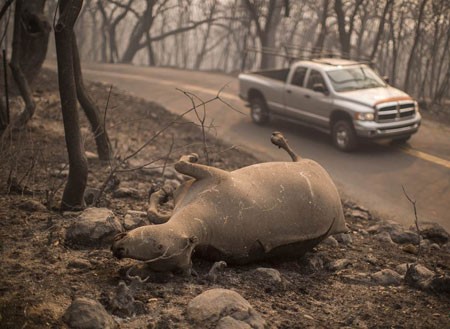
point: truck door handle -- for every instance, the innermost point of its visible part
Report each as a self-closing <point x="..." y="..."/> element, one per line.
<point x="307" y="96"/>
<point x="288" y="91"/>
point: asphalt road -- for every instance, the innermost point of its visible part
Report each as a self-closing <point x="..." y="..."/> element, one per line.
<point x="372" y="177"/>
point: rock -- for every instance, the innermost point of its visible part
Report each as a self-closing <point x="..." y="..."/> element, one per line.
<point x="31" y="205"/>
<point x="94" y="227"/>
<point x="360" y="214"/>
<point x="85" y="313"/>
<point x="213" y="272"/>
<point x="126" y="192"/>
<point x="439" y="284"/>
<point x="59" y="173"/>
<point x="209" y="308"/>
<point x="434" y="232"/>
<point x="403" y="237"/>
<point x="134" y="219"/>
<point x="91" y="155"/>
<point x="343" y="238"/>
<point x="271" y="277"/>
<point x="384" y="237"/>
<point x="90" y="195"/>
<point x="123" y="304"/>
<point x="315" y="263"/>
<point x="369" y="258"/>
<point x="330" y="241"/>
<point x="422" y="271"/>
<point x="387" y="277"/>
<point x="410" y="249"/>
<point x="339" y="264"/>
<point x="435" y="246"/>
<point x="229" y="322"/>
<point x="79" y="263"/>
<point x="387" y="226"/>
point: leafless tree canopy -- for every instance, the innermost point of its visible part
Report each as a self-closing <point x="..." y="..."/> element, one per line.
<point x="407" y="40"/>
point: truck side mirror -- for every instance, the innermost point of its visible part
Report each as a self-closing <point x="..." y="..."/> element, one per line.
<point x="319" y="87"/>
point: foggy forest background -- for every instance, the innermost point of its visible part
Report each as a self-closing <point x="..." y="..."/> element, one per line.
<point x="407" y="40"/>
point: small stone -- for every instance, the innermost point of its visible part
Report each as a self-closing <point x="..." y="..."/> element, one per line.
<point x="59" y="173"/>
<point x="208" y="308"/>
<point x="421" y="271"/>
<point x="434" y="232"/>
<point x="315" y="263"/>
<point x="91" y="155"/>
<point x="134" y="219"/>
<point x="85" y="313"/>
<point x="79" y="263"/>
<point x="370" y="259"/>
<point x="360" y="214"/>
<point x="403" y="237"/>
<point x="126" y="192"/>
<point x="384" y="237"/>
<point x="31" y="205"/>
<point x="344" y="238"/>
<point x="339" y="264"/>
<point x="435" y="246"/>
<point x="90" y="195"/>
<point x="123" y="304"/>
<point x="94" y="227"/>
<point x="229" y="322"/>
<point x="387" y="277"/>
<point x="410" y="249"/>
<point x="271" y="277"/>
<point x="330" y="241"/>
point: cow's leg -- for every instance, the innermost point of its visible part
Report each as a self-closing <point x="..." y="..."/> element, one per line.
<point x="187" y="166"/>
<point x="279" y="140"/>
<point x="156" y="199"/>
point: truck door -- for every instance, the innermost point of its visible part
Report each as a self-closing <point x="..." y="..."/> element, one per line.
<point x="317" y="101"/>
<point x="295" y="93"/>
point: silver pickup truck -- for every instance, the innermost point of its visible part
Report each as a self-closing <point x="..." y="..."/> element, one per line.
<point x="344" y="98"/>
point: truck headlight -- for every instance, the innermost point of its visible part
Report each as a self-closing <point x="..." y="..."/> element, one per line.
<point x="364" y="116"/>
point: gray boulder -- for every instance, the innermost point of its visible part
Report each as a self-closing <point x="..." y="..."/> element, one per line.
<point x="271" y="277"/>
<point x="126" y="192"/>
<point x="94" y="227"/>
<point x="387" y="277"/>
<point x="344" y="238"/>
<point x="330" y="241"/>
<point x="434" y="232"/>
<point x="403" y="237"/>
<point x="212" y="306"/>
<point x="85" y="313"/>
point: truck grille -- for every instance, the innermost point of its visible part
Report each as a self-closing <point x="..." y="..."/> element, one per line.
<point x="395" y="111"/>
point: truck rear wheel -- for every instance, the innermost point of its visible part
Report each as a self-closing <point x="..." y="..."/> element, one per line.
<point x="259" y="111"/>
<point x="344" y="136"/>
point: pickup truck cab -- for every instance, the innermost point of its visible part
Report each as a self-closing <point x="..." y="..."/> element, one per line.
<point x="344" y="98"/>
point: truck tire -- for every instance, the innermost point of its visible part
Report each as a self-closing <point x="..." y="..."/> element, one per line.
<point x="259" y="111"/>
<point x="344" y="136"/>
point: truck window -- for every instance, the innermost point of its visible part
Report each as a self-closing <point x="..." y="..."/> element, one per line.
<point x="315" y="77"/>
<point x="299" y="76"/>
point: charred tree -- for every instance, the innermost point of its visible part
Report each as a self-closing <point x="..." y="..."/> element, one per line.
<point x="29" y="48"/>
<point x="78" y="167"/>
<point x="90" y="108"/>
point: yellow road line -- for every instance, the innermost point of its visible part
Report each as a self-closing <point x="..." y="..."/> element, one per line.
<point x="426" y="156"/>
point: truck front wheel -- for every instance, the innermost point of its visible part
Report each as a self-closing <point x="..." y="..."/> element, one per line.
<point x="344" y="136"/>
<point x="259" y="111"/>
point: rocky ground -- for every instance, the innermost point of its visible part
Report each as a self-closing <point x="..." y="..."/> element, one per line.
<point x="57" y="271"/>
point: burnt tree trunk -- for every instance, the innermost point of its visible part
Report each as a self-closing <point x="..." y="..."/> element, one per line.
<point x="78" y="167"/>
<point x="89" y="107"/>
<point x="29" y="48"/>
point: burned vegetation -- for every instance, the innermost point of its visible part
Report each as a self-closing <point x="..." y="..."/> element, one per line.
<point x="57" y="268"/>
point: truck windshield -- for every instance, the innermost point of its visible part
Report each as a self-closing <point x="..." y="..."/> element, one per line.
<point x="347" y="79"/>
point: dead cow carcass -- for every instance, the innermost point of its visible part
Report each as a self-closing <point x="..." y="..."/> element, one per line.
<point x="267" y="210"/>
